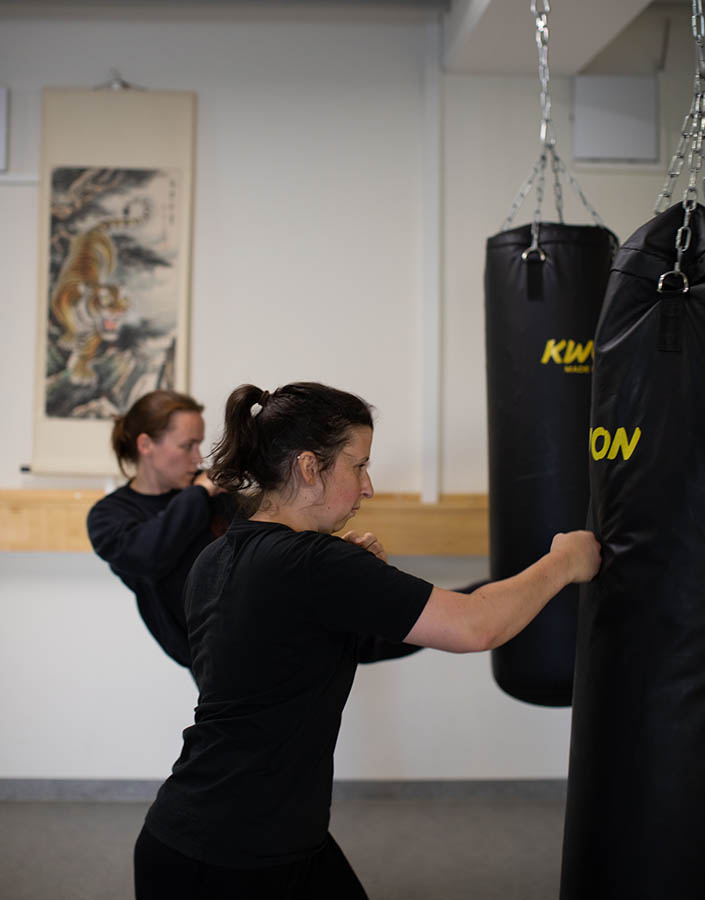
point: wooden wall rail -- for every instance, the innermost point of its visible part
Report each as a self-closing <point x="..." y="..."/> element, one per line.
<point x="45" y="520"/>
<point x="455" y="526"/>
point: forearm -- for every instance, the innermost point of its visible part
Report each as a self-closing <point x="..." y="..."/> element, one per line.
<point x="505" y="607"/>
<point x="493" y="613"/>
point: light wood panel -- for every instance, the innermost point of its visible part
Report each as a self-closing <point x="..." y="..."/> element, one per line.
<point x="45" y="520"/>
<point x="456" y="526"/>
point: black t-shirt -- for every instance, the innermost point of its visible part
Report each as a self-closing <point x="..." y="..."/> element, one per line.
<point x="274" y="618"/>
<point x="150" y="542"/>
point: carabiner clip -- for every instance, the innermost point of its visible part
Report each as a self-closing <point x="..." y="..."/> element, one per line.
<point x="662" y="281"/>
<point x="537" y="250"/>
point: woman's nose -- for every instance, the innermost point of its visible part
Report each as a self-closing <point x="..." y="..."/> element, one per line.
<point x="367" y="490"/>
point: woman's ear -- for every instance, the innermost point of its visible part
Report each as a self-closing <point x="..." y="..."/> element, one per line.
<point x="308" y="467"/>
<point x="144" y="444"/>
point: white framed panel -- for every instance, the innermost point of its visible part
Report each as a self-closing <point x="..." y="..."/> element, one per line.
<point x="616" y="117"/>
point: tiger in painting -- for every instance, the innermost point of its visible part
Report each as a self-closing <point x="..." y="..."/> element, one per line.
<point x="87" y="307"/>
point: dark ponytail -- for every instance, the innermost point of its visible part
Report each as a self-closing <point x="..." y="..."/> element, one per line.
<point x="150" y="415"/>
<point x="231" y="459"/>
<point x="264" y="433"/>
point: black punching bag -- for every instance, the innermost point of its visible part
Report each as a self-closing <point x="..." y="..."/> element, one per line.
<point x="635" y="819"/>
<point x="540" y="318"/>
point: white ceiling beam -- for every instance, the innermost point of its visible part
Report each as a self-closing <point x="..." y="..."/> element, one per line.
<point x="497" y="37"/>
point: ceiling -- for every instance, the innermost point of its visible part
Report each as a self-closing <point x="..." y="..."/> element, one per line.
<point x="480" y="36"/>
<point x="497" y="36"/>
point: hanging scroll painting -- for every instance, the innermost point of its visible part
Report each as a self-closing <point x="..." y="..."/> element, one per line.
<point x="112" y="312"/>
<point x="114" y="266"/>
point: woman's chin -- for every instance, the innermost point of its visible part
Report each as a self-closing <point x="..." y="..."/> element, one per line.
<point x="341" y="523"/>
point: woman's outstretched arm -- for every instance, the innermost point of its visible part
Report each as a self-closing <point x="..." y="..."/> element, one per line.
<point x="496" y="612"/>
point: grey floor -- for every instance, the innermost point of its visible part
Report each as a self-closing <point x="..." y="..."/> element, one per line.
<point x="445" y="841"/>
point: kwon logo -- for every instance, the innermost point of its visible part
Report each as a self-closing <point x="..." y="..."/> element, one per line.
<point x="572" y="355"/>
<point x="602" y="444"/>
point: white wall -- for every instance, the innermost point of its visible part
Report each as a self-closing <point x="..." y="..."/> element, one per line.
<point x="307" y="264"/>
<point x="307" y="225"/>
<point x="88" y="694"/>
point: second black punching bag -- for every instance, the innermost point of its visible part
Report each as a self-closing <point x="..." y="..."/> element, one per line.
<point x="541" y="309"/>
<point x="635" y="819"/>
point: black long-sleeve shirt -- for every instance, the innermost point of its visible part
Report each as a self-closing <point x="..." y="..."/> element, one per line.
<point x="150" y="542"/>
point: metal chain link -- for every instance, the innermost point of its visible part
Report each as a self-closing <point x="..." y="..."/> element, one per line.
<point x="546" y="134"/>
<point x="521" y="195"/>
<point x="695" y="157"/>
<point x="676" y="166"/>
<point x="536" y="221"/>
<point x="540" y="10"/>
<point x="572" y="180"/>
<point x="691" y="142"/>
<point x="697" y="21"/>
<point x="557" y="189"/>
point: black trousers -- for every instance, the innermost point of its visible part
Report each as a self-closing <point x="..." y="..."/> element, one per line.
<point x="165" y="874"/>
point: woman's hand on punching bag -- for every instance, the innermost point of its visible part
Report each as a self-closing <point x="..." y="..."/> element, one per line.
<point x="581" y="551"/>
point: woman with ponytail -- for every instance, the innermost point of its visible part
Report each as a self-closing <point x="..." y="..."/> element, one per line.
<point x="275" y="609"/>
<point x="151" y="529"/>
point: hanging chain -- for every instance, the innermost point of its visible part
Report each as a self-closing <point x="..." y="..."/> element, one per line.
<point x="522" y="194"/>
<point x="676" y="166"/>
<point x="546" y="134"/>
<point x="698" y="24"/>
<point x="690" y="143"/>
<point x="557" y="189"/>
<point x="572" y="180"/>
<point x="540" y="10"/>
